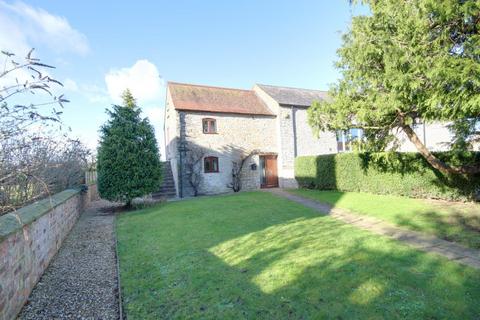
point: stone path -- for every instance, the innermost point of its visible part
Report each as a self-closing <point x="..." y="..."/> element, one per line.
<point x="427" y="243"/>
<point x="81" y="280"/>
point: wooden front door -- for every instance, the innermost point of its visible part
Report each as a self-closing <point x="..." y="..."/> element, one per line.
<point x="269" y="177"/>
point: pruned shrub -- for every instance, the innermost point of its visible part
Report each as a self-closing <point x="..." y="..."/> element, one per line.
<point x="406" y="174"/>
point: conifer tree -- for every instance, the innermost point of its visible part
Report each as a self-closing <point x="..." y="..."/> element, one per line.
<point x="128" y="160"/>
<point x="409" y="62"/>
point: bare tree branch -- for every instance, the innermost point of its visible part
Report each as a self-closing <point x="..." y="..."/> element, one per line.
<point x="236" y="184"/>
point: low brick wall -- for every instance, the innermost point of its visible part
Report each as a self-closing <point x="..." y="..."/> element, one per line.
<point x="29" y="239"/>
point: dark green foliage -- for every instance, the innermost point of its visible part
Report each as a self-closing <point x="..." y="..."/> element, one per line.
<point x="405" y="62"/>
<point x="128" y="158"/>
<point x="406" y="174"/>
<point x="464" y="132"/>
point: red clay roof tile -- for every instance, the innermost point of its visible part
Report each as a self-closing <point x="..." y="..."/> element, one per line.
<point x="215" y="99"/>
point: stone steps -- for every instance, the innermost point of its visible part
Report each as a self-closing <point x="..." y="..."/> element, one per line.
<point x="167" y="189"/>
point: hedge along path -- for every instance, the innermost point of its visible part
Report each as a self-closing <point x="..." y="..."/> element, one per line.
<point x="430" y="244"/>
<point x="393" y="173"/>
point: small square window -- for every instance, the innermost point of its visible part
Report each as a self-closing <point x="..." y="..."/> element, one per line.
<point x="210" y="164"/>
<point x="209" y="125"/>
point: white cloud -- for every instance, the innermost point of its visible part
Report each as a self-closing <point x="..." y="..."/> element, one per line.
<point x="143" y="80"/>
<point x="147" y="86"/>
<point x="155" y="114"/>
<point x="24" y="27"/>
<point x="17" y="76"/>
<point x="70" y="85"/>
<point x="92" y="92"/>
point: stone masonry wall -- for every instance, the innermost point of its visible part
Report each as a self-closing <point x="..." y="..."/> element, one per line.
<point x="172" y="132"/>
<point x="287" y="151"/>
<point x="29" y="238"/>
<point x="302" y="137"/>
<point x="236" y="135"/>
<point x="307" y="143"/>
<point x="297" y="138"/>
<point x="437" y="137"/>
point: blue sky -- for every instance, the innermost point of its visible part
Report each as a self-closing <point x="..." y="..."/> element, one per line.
<point x="101" y="47"/>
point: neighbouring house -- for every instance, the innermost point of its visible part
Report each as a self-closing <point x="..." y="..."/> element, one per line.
<point x="211" y="131"/>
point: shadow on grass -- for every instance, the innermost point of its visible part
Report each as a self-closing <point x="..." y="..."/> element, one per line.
<point x="254" y="256"/>
<point x="455" y="226"/>
<point x="450" y="221"/>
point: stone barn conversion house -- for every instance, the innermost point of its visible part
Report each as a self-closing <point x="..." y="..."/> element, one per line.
<point x="210" y="131"/>
<point x="266" y="126"/>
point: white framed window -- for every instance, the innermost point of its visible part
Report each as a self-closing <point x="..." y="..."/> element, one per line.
<point x="345" y="139"/>
<point x="209" y="125"/>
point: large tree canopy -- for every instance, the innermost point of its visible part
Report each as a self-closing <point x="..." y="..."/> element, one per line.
<point x="406" y="62"/>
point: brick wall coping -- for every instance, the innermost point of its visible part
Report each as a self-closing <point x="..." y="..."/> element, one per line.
<point x="16" y="220"/>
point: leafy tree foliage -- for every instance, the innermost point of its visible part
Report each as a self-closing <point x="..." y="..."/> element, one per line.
<point x="128" y="161"/>
<point x="465" y="133"/>
<point x="408" y="62"/>
<point x="37" y="158"/>
<point x="19" y="78"/>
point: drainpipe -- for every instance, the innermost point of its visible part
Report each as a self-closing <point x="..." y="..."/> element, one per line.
<point x="294" y="126"/>
<point x="182" y="149"/>
<point x="180" y="180"/>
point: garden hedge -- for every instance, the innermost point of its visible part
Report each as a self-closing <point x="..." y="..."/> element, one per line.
<point x="406" y="174"/>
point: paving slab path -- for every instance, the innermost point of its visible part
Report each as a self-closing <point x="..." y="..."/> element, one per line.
<point x="81" y="280"/>
<point x="421" y="241"/>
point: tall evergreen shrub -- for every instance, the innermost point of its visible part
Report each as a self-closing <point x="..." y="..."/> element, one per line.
<point x="128" y="160"/>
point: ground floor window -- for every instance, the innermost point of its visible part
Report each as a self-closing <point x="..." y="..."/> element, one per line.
<point x="210" y="164"/>
<point x="346" y="138"/>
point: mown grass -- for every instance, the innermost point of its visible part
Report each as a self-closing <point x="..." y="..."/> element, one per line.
<point x="451" y="221"/>
<point x="257" y="256"/>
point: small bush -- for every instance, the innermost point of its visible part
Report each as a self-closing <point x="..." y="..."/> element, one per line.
<point x="406" y="174"/>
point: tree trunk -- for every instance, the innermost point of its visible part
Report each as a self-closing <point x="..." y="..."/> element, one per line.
<point x="236" y="182"/>
<point x="434" y="161"/>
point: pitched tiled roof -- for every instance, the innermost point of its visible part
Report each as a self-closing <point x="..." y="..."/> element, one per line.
<point x="294" y="96"/>
<point x="214" y="99"/>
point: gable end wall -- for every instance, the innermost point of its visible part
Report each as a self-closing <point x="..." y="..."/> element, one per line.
<point x="236" y="134"/>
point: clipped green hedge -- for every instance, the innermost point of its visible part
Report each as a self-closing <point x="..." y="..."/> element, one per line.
<point x="406" y="174"/>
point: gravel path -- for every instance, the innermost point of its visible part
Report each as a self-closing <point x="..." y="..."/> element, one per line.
<point x="81" y="281"/>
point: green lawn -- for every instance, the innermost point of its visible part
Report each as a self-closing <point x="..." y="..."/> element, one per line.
<point x="257" y="256"/>
<point x="450" y="221"/>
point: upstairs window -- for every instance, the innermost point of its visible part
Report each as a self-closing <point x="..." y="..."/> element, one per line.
<point x="210" y="164"/>
<point x="209" y="125"/>
<point x="346" y="139"/>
